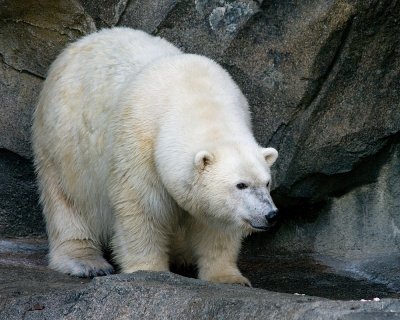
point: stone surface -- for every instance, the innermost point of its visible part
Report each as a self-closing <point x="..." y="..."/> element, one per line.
<point x="145" y="295"/>
<point x="306" y="65"/>
<point x="18" y="93"/>
<point x="31" y="36"/>
<point x="146" y="15"/>
<point x="20" y="214"/>
<point x="363" y="222"/>
<point x="29" y="290"/>
<point x="105" y="13"/>
<point x="23" y="271"/>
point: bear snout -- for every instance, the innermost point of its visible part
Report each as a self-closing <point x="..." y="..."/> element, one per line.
<point x="272" y="217"/>
<point x="263" y="222"/>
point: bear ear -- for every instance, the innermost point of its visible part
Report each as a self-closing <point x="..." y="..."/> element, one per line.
<point x="202" y="159"/>
<point x="270" y="155"/>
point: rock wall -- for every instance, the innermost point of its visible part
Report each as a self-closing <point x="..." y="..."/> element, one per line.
<point x="322" y="78"/>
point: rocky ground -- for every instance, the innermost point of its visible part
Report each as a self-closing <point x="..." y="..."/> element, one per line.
<point x="145" y="295"/>
<point x="284" y="287"/>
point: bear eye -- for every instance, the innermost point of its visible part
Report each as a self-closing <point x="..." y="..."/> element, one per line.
<point x="268" y="184"/>
<point x="241" y="186"/>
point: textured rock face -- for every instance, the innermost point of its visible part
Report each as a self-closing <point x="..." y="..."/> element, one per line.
<point x="322" y="78"/>
<point x="31" y="36"/>
<point x="362" y="222"/>
<point x="19" y="209"/>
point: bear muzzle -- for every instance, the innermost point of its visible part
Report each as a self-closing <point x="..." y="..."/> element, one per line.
<point x="270" y="219"/>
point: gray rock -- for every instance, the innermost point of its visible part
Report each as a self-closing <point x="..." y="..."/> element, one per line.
<point x="145" y="295"/>
<point x="363" y="222"/>
<point x="146" y="15"/>
<point x="305" y="72"/>
<point x="23" y="271"/>
<point x="143" y="15"/>
<point x="31" y="36"/>
<point x="20" y="214"/>
<point x="227" y="19"/>
<point x="105" y="13"/>
<point x="18" y="94"/>
<point x="206" y="27"/>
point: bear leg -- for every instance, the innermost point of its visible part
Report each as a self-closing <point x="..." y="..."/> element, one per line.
<point x="73" y="247"/>
<point x="217" y="253"/>
<point x="80" y="258"/>
<point x="140" y="240"/>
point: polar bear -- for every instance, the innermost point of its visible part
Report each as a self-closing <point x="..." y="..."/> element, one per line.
<point x="147" y="151"/>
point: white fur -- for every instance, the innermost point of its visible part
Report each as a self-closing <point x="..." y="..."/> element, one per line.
<point x="139" y="147"/>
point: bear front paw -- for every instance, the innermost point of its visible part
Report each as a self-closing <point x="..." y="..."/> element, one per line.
<point x="79" y="258"/>
<point x="230" y="278"/>
<point x="145" y="267"/>
<point x="85" y="267"/>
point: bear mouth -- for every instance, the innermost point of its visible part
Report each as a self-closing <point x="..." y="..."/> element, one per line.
<point x="260" y="228"/>
<point x="257" y="228"/>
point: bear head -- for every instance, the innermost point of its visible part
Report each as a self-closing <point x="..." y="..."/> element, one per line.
<point x="232" y="187"/>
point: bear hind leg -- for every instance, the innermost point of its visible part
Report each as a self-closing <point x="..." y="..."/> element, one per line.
<point x="73" y="247"/>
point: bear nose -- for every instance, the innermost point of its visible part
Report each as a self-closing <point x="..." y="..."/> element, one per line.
<point x="272" y="216"/>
